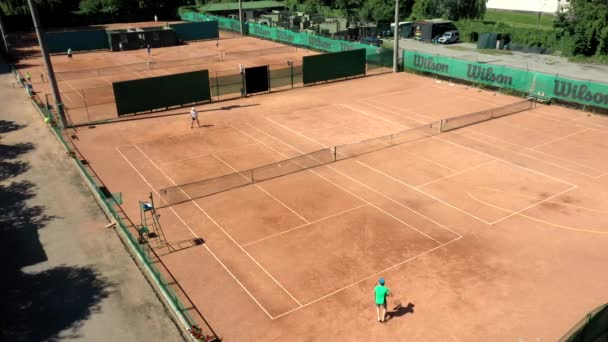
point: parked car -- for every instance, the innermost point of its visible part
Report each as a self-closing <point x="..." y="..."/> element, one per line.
<point x="371" y="41"/>
<point x="449" y="37"/>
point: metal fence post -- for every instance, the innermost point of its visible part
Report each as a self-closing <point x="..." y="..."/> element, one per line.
<point x="291" y="67"/>
<point x="217" y="86"/>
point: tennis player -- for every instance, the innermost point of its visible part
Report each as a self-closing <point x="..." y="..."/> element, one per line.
<point x="381" y="293"/>
<point x="69" y="53"/>
<point x="194" y="115"/>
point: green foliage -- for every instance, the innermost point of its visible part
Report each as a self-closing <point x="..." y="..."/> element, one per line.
<point x="449" y="9"/>
<point x="520" y="19"/>
<point x="585" y="26"/>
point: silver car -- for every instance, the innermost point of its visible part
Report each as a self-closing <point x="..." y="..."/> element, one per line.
<point x="449" y="37"/>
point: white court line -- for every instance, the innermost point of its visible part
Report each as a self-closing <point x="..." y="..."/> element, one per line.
<point x="547" y="222"/>
<point x="424" y="193"/>
<point x="77" y="92"/>
<point x="372" y="115"/>
<point x="365" y="185"/>
<point x="378" y="105"/>
<point x="539" y="199"/>
<point x="427" y="160"/>
<point x="221" y="228"/>
<point x="195" y="235"/>
<point x="503" y="160"/>
<point x="569" y="121"/>
<point x="296" y="132"/>
<point x="264" y="190"/>
<point x="371" y="276"/>
<point x="532" y="157"/>
<point x="558" y="139"/>
<point x="368" y="103"/>
<point x="533" y="205"/>
<point x="207" y="154"/>
<point x="303" y="225"/>
<point x="457" y="173"/>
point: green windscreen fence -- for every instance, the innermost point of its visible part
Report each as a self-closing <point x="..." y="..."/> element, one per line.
<point x="146" y="94"/>
<point x="196" y="30"/>
<point x="76" y="40"/>
<point x="331" y="66"/>
<point x="223" y="23"/>
<point x="562" y="88"/>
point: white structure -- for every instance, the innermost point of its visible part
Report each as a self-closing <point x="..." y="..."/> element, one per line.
<point x="546" y="6"/>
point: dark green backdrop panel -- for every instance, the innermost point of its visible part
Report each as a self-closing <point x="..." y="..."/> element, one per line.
<point x="159" y="92"/>
<point x="76" y="40"/>
<point x="196" y="31"/>
<point x="256" y="79"/>
<point x="331" y="66"/>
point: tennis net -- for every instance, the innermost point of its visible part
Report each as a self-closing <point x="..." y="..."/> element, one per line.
<point x="186" y="192"/>
<point x="484" y="115"/>
<point x="229" y="55"/>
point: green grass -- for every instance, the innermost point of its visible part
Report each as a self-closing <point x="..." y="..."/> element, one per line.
<point x="520" y="19"/>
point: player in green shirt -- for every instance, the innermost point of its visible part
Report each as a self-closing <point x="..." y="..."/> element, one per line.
<point x="381" y="292"/>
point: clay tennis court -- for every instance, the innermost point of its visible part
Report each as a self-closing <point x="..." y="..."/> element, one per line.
<point x="85" y="83"/>
<point x="495" y="231"/>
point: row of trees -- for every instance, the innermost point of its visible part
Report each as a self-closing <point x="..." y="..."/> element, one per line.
<point x="583" y="29"/>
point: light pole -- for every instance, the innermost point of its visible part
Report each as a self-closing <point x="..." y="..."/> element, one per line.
<point x="3" y="33"/>
<point x="396" y="36"/>
<point x="241" y="16"/>
<point x="48" y="65"/>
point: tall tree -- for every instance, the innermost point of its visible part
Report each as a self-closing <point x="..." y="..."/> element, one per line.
<point x="449" y="9"/>
<point x="585" y="26"/>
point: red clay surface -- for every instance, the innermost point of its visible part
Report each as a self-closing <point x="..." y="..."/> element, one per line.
<point x="85" y="82"/>
<point x="493" y="232"/>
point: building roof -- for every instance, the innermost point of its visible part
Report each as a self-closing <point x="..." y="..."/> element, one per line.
<point x="247" y="5"/>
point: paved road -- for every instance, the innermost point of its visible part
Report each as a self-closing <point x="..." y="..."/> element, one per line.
<point x="541" y="63"/>
<point x="65" y="276"/>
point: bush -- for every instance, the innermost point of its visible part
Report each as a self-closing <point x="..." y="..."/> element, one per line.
<point x="521" y="36"/>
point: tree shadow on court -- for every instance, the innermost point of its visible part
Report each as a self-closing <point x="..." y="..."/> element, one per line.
<point x="37" y="306"/>
<point x="9" y="126"/>
<point x="399" y="311"/>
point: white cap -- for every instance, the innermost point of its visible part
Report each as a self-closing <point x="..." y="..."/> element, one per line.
<point x="192" y="108"/>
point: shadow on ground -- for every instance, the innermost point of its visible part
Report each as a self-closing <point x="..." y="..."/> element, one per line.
<point x="36" y="306"/>
<point x="399" y="311"/>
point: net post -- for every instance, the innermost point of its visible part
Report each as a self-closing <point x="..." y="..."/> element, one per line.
<point x="86" y="106"/>
<point x="291" y="68"/>
<point x="335" y="153"/>
<point x="217" y="86"/>
<point x="441" y="124"/>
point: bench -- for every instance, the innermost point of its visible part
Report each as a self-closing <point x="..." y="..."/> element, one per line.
<point x="540" y="98"/>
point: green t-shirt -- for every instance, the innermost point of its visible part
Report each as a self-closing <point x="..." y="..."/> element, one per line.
<point x="381" y="293"/>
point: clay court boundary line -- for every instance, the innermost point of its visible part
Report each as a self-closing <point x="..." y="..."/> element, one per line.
<point x="244" y="287"/>
<point x="457" y="173"/>
<point x="359" y="197"/>
<point x="362" y="184"/>
<point x="532" y="157"/>
<point x="208" y="154"/>
<point x="537" y="198"/>
<point x="194" y="234"/>
<point x="572" y="186"/>
<point x="591" y="231"/>
<point x="264" y="191"/>
<point x="573" y="121"/>
<point x="304" y="225"/>
<point x="534" y="205"/>
<point x="375" y="116"/>
<point x="501" y="159"/>
<point x="378" y="106"/>
<point x="558" y="139"/>
<point x="222" y="229"/>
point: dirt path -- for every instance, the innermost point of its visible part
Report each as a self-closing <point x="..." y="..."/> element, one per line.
<point x="65" y="276"/>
